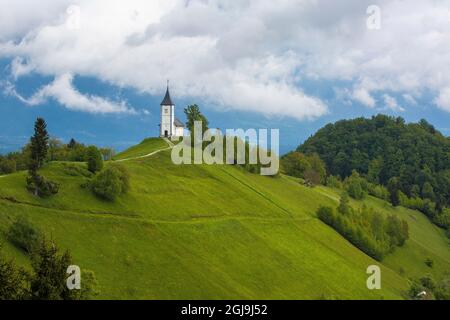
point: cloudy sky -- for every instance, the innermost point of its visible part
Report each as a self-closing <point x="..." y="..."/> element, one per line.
<point x="97" y="69"/>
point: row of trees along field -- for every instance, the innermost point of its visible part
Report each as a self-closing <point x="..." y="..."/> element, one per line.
<point x="407" y="164"/>
<point x="56" y="151"/>
<point x="194" y="114"/>
<point x="107" y="184"/>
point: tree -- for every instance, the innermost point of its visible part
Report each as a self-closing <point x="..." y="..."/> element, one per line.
<point x="312" y="177"/>
<point x="13" y="281"/>
<point x="377" y="226"/>
<point x="397" y="230"/>
<point x="54" y="145"/>
<point x="50" y="273"/>
<point x="309" y="167"/>
<point x="72" y="143"/>
<point x="318" y="166"/>
<point x="344" y="206"/>
<point x="39" y="144"/>
<point x="354" y="185"/>
<point x="193" y="114"/>
<point x="48" y="281"/>
<point x="7" y="166"/>
<point x="295" y="164"/>
<point x="394" y="189"/>
<point x="375" y="168"/>
<point x="427" y="191"/>
<point x="94" y="159"/>
<point x="107" y="153"/>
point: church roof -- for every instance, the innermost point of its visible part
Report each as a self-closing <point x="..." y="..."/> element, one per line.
<point x="167" y="100"/>
<point x="178" y="123"/>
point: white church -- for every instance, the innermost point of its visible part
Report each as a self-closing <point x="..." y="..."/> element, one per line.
<point x="170" y="126"/>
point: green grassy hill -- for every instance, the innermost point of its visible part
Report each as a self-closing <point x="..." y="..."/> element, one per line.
<point x="213" y="232"/>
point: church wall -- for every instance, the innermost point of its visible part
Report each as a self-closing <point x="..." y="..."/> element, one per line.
<point x="179" y="132"/>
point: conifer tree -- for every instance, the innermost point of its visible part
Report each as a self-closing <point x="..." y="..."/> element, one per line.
<point x="39" y="144"/>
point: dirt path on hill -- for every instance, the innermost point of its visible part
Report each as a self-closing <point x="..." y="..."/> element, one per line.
<point x="170" y="143"/>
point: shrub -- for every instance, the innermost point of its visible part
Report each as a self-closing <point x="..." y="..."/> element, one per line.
<point x="442" y="291"/>
<point x="326" y="214"/>
<point x="344" y="206"/>
<point x="7" y="166"/>
<point x="23" y="235"/>
<point x="94" y="159"/>
<point x="429" y="263"/>
<point x="397" y="230"/>
<point x="111" y="182"/>
<point x="367" y="230"/>
<point x="309" y="167"/>
<point x="356" y="186"/>
<point x="334" y="182"/>
<point x="378" y="191"/>
<point x="124" y="177"/>
<point x="40" y="186"/>
<point x="312" y="177"/>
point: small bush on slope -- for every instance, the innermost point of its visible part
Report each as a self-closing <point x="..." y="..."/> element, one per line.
<point x="24" y="235"/>
<point x="111" y="182"/>
<point x="41" y="186"/>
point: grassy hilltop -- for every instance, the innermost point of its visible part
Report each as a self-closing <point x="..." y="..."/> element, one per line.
<point x="213" y="232"/>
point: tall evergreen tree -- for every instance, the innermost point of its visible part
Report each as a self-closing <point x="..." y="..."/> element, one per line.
<point x="72" y="143"/>
<point x="13" y="281"/>
<point x="39" y="144"/>
<point x="50" y="273"/>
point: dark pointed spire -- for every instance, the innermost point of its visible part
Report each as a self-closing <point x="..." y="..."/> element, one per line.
<point x="167" y="101"/>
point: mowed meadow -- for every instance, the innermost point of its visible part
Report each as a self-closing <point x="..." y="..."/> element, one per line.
<point x="213" y="232"/>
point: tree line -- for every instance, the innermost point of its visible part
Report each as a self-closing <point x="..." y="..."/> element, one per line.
<point x="73" y="151"/>
<point x="368" y="230"/>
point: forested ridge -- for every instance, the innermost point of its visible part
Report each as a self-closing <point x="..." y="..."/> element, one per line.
<point x="411" y="159"/>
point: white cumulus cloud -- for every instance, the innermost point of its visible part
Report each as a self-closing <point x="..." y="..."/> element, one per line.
<point x="238" y="55"/>
<point x="391" y="103"/>
<point x="62" y="90"/>
<point x="443" y="100"/>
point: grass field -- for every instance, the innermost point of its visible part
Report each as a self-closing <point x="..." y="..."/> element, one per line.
<point x="145" y="147"/>
<point x="213" y="232"/>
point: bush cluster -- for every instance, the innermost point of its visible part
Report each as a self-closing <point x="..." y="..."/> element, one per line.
<point x="24" y="235"/>
<point x="41" y="186"/>
<point x="368" y="230"/>
<point x="111" y="182"/>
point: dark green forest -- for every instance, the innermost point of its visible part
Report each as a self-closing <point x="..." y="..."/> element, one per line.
<point x="412" y="160"/>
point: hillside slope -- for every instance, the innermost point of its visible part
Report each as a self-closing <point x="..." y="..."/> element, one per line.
<point x="213" y="232"/>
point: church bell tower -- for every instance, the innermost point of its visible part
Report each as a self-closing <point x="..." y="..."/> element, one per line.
<point x="167" y="116"/>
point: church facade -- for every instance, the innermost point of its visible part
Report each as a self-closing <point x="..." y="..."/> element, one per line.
<point x="170" y="126"/>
